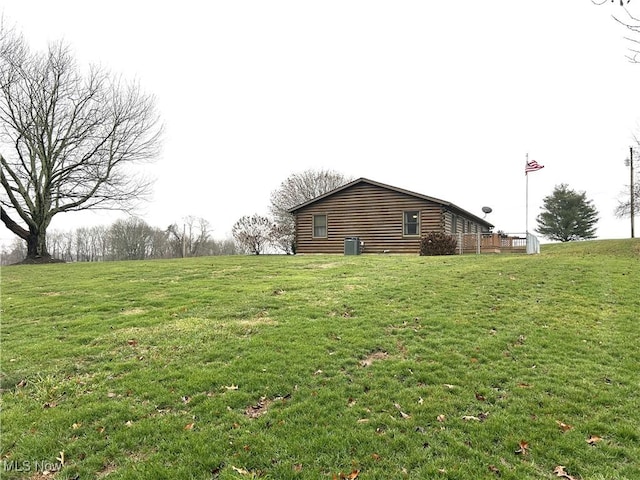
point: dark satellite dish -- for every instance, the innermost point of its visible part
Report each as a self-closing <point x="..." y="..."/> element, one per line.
<point x="487" y="210"/>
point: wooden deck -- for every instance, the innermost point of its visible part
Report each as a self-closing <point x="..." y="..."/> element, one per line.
<point x="492" y="243"/>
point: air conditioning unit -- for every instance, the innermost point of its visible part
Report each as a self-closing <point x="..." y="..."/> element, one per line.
<point x="352" y="246"/>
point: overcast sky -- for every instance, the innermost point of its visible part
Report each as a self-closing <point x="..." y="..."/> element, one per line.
<point x="444" y="98"/>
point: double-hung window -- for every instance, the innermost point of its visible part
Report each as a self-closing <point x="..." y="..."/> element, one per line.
<point x="319" y="226"/>
<point x="411" y="223"/>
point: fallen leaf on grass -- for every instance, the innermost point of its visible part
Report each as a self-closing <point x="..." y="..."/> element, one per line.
<point x="441" y="418"/>
<point x="494" y="469"/>
<point x="480" y="397"/>
<point x="560" y="472"/>
<point x="468" y="418"/>
<point x="564" y="426"/>
<point x="593" y="439"/>
<point x="348" y="476"/>
<point x="133" y="342"/>
<point x="402" y="414"/>
<point x="189" y="426"/>
<point x="241" y="471"/>
<point x="230" y="387"/>
<point x="524" y="448"/>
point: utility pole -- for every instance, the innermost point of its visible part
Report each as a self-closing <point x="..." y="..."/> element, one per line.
<point x="632" y="191"/>
<point x="184" y="240"/>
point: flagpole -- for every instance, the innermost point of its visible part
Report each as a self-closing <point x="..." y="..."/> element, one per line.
<point x="526" y="220"/>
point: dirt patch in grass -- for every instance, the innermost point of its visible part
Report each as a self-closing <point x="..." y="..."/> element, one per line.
<point x="373" y="357"/>
<point x="259" y="409"/>
<point x="263" y="405"/>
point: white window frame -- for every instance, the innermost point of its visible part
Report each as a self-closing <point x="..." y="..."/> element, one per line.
<point x="406" y="224"/>
<point x="314" y="226"/>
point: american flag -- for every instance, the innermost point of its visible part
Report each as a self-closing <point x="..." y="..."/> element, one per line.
<point x="532" y="166"/>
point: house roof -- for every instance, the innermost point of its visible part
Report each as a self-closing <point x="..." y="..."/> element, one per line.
<point x="452" y="207"/>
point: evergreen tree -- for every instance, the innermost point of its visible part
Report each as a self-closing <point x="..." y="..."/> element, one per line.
<point x="567" y="215"/>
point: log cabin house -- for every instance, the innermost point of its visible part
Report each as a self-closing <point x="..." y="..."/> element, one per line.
<point x="383" y="219"/>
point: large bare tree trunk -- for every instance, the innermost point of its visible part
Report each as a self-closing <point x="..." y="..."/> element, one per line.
<point x="37" y="247"/>
<point x="36" y="239"/>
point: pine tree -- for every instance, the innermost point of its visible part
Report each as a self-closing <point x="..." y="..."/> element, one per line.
<point x="567" y="215"/>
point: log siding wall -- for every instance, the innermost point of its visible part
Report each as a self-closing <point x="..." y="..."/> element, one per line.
<point x="372" y="213"/>
<point x="462" y="224"/>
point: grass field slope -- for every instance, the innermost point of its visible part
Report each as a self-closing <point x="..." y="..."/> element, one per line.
<point x="314" y="367"/>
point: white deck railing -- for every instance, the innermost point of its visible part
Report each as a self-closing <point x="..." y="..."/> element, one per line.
<point x="497" y="243"/>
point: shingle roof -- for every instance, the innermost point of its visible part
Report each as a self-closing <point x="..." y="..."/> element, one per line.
<point x="444" y="203"/>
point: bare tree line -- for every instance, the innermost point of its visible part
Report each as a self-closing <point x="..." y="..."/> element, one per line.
<point x="128" y="239"/>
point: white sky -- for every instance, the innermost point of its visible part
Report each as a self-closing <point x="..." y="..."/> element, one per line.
<point x="444" y="98"/>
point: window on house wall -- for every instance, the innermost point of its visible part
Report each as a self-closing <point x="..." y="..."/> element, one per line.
<point x="319" y="226"/>
<point x="411" y="223"/>
<point x="454" y="224"/>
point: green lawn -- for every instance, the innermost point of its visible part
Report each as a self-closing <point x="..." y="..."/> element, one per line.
<point x="312" y="367"/>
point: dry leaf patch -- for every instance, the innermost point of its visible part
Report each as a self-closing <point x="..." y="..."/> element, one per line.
<point x="372" y="357"/>
<point x="262" y="406"/>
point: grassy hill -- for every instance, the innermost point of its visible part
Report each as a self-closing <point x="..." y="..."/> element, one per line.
<point x="311" y="367"/>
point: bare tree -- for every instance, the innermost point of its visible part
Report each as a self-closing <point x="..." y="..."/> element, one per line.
<point x="190" y="240"/>
<point x="13" y="253"/>
<point x="632" y="23"/>
<point x="61" y="245"/>
<point x="295" y="190"/>
<point x="131" y="239"/>
<point x="282" y="237"/>
<point x="91" y="243"/>
<point x="69" y="139"/>
<point x="253" y="233"/>
<point x="226" y="246"/>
